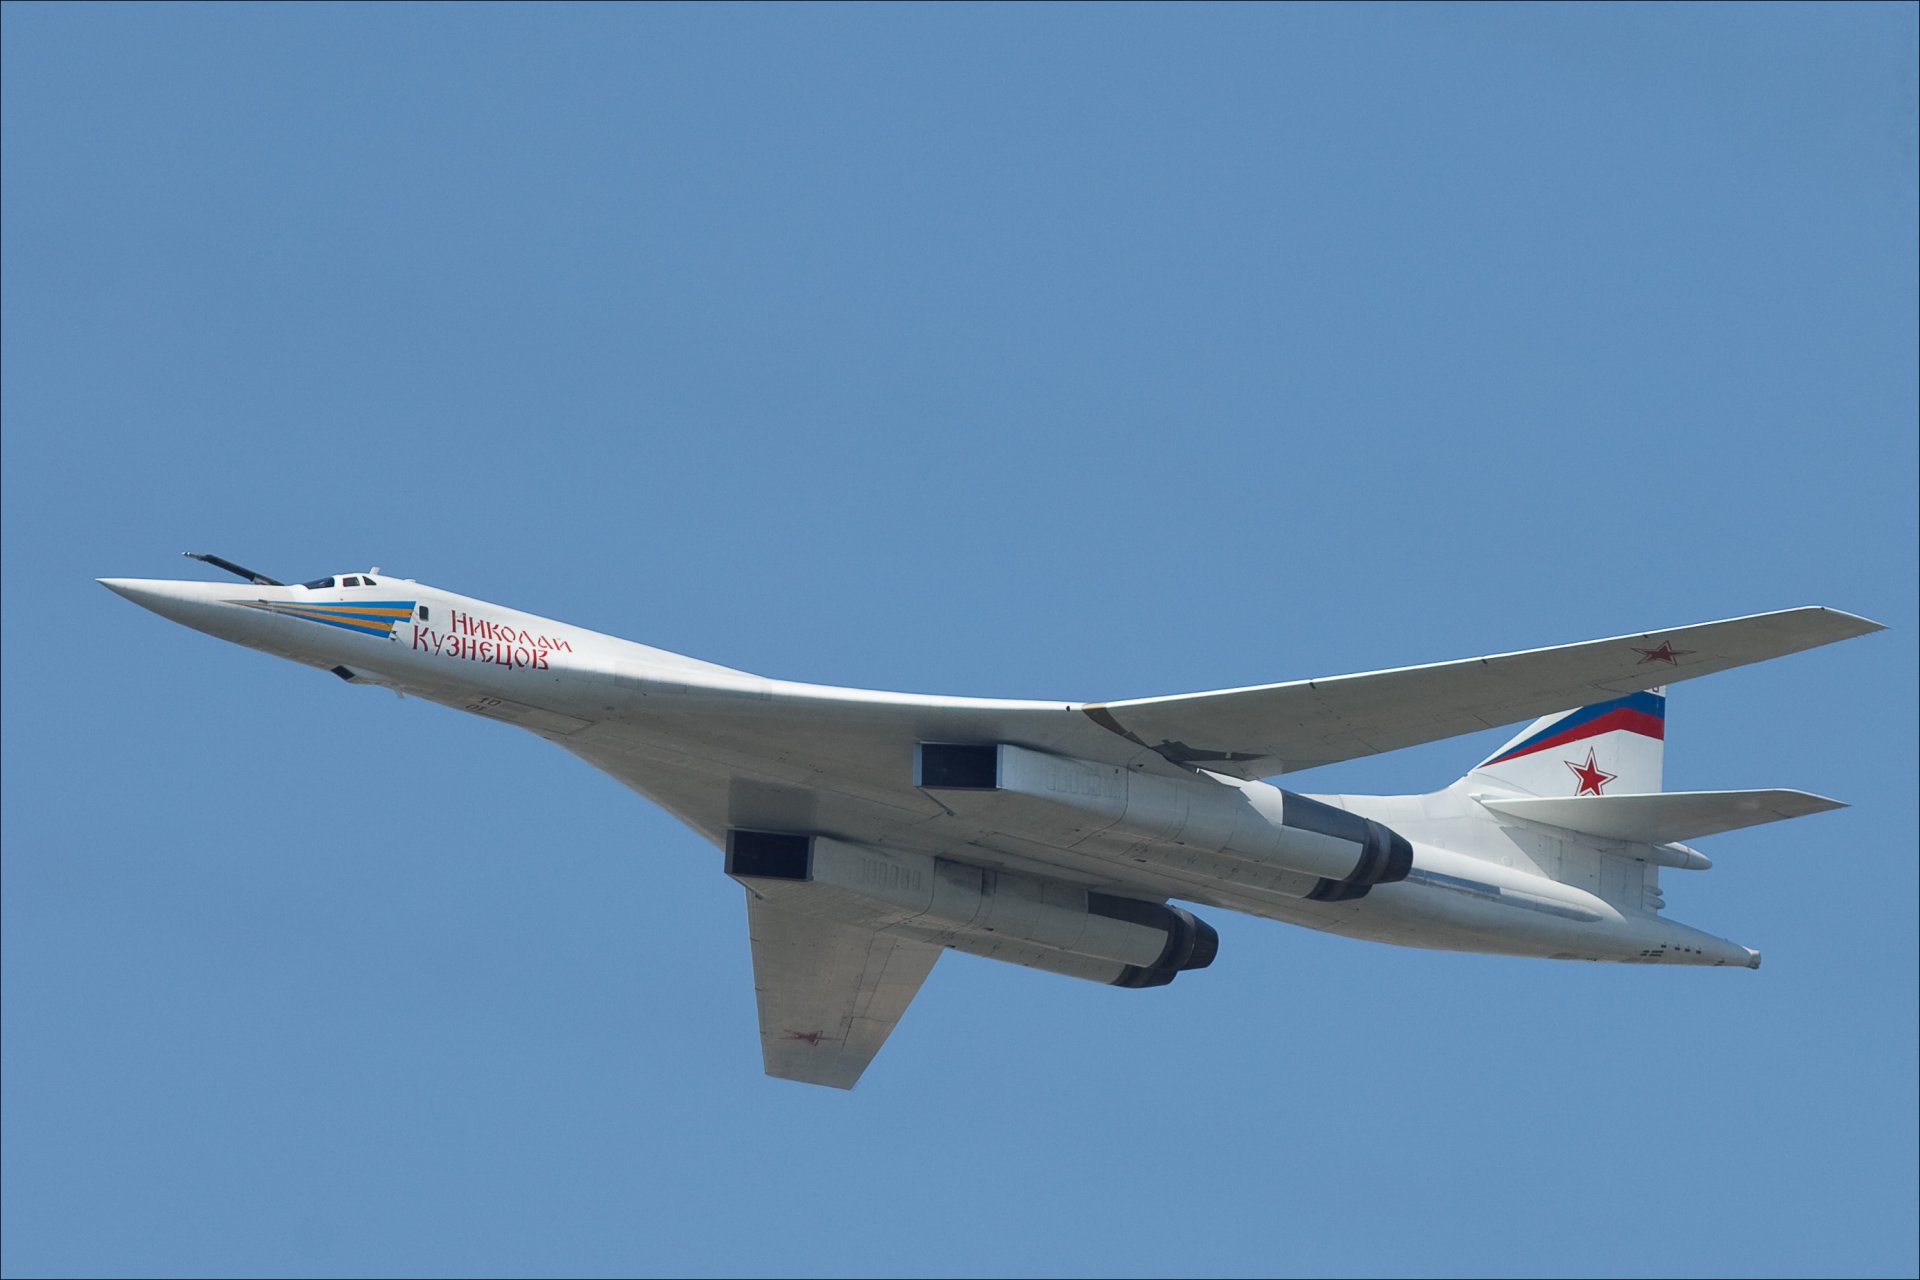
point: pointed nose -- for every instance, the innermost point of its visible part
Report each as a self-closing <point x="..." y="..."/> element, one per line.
<point x="212" y="607"/>
<point x="138" y="590"/>
<point x="185" y="602"/>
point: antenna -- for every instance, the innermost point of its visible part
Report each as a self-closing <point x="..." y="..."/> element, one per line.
<point x="257" y="579"/>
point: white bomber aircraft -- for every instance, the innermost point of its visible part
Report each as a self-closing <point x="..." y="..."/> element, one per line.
<point x="873" y="830"/>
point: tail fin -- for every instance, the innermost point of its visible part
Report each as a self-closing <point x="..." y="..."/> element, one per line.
<point x="1616" y="745"/>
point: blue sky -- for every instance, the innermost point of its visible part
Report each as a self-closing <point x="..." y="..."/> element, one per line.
<point x="1064" y="351"/>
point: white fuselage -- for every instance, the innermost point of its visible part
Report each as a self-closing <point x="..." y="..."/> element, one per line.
<point x="705" y="740"/>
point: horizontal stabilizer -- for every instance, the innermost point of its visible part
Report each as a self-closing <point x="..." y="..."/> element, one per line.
<point x="1666" y="817"/>
<point x="1279" y="728"/>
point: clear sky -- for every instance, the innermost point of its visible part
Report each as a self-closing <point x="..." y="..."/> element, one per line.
<point x="1068" y="351"/>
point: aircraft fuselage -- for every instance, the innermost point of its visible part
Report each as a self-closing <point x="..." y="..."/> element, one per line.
<point x="771" y="755"/>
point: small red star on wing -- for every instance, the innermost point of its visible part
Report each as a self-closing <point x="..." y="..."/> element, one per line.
<point x="807" y="1037"/>
<point x="1665" y="653"/>
<point x="1592" y="777"/>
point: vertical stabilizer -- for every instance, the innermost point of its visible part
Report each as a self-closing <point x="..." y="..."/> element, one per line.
<point x="1609" y="748"/>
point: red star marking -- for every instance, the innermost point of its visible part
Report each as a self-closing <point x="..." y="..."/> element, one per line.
<point x="810" y="1037"/>
<point x="1665" y="653"/>
<point x="1592" y="777"/>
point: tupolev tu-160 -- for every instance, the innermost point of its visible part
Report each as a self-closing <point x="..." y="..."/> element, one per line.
<point x="874" y="830"/>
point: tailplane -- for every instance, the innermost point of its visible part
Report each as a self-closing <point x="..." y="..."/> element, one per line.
<point x="1611" y="747"/>
<point x="1664" y="818"/>
<point x="1596" y="771"/>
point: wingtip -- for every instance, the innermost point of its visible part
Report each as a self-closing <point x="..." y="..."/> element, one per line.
<point x="1852" y="623"/>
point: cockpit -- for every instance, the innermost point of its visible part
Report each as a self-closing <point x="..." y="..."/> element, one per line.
<point x="342" y="580"/>
<point x="367" y="579"/>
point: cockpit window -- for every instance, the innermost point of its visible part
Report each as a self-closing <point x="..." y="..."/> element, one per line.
<point x="351" y="582"/>
<point x="318" y="584"/>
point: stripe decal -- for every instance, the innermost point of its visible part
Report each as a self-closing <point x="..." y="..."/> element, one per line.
<point x="369" y="617"/>
<point x="1642" y="713"/>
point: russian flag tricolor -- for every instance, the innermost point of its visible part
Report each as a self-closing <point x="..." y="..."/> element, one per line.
<point x="1644" y="713"/>
<point x="1622" y="740"/>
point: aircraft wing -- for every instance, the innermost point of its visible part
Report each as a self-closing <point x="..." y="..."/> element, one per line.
<point x="1269" y="729"/>
<point x="777" y="756"/>
<point x="829" y="992"/>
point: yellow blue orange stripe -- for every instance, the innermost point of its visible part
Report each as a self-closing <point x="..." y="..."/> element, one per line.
<point x="369" y="617"/>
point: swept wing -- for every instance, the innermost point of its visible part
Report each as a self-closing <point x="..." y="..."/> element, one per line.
<point x="1279" y="728"/>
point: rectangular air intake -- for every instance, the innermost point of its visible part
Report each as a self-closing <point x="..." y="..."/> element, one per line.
<point x="956" y="766"/>
<point x="769" y="855"/>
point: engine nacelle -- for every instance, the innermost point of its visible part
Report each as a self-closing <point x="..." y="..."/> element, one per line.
<point x="1385" y="854"/>
<point x="1003" y="915"/>
<point x="1191" y="943"/>
<point x="1327" y="853"/>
